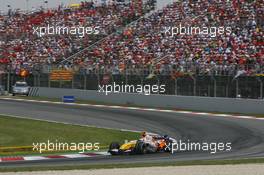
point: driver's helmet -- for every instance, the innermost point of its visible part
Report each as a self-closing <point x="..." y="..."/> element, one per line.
<point x="143" y="134"/>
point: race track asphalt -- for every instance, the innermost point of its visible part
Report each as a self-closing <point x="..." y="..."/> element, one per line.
<point x="246" y="135"/>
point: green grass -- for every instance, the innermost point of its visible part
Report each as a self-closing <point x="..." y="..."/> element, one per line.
<point x="130" y="105"/>
<point x="134" y="165"/>
<point x="24" y="132"/>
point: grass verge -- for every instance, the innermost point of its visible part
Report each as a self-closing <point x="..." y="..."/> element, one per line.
<point x="16" y="132"/>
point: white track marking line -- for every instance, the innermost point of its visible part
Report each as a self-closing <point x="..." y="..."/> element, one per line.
<point x="142" y="109"/>
<point x="103" y="153"/>
<point x="35" y="158"/>
<point x="260" y="118"/>
<point x="185" y="112"/>
<point x="222" y="115"/>
<point x="202" y="113"/>
<point x="246" y="117"/>
<point x="72" y="156"/>
<point x="135" y="108"/>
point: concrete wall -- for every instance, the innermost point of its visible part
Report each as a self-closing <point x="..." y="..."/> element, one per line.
<point x="248" y="106"/>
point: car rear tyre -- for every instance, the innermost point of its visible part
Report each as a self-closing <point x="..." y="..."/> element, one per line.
<point x="140" y="148"/>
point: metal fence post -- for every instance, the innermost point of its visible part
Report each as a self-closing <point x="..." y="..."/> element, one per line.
<point x="8" y="81"/>
<point x="98" y="79"/>
<point x="126" y="75"/>
<point x="261" y="89"/>
<point x="176" y="86"/>
<point x="158" y="83"/>
<point x="72" y="84"/>
<point x="141" y="74"/>
<point x="38" y="79"/>
<point x="194" y="86"/>
<point x="48" y="80"/>
<point x="237" y="87"/>
<point x="227" y="89"/>
<point x="215" y="88"/>
<point x="85" y="81"/>
<point x="60" y="85"/>
<point x="34" y="80"/>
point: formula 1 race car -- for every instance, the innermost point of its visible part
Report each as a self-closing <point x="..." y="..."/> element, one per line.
<point x="142" y="146"/>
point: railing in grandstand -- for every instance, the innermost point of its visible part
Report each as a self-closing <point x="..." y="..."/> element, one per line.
<point x="165" y="69"/>
<point x="242" y="85"/>
<point x="70" y="58"/>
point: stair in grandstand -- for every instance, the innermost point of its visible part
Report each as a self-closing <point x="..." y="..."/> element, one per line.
<point x="117" y="31"/>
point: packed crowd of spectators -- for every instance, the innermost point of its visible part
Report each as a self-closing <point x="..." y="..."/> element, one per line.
<point x="144" y="45"/>
<point x="21" y="48"/>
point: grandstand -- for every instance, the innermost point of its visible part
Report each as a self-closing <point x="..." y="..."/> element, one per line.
<point x="24" y="50"/>
<point x="133" y="46"/>
<point x="144" y="44"/>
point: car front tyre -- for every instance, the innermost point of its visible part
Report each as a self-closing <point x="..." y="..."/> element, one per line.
<point x="114" y="145"/>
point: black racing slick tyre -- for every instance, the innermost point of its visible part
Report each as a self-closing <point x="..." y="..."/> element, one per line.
<point x="114" y="145"/>
<point x="140" y="148"/>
